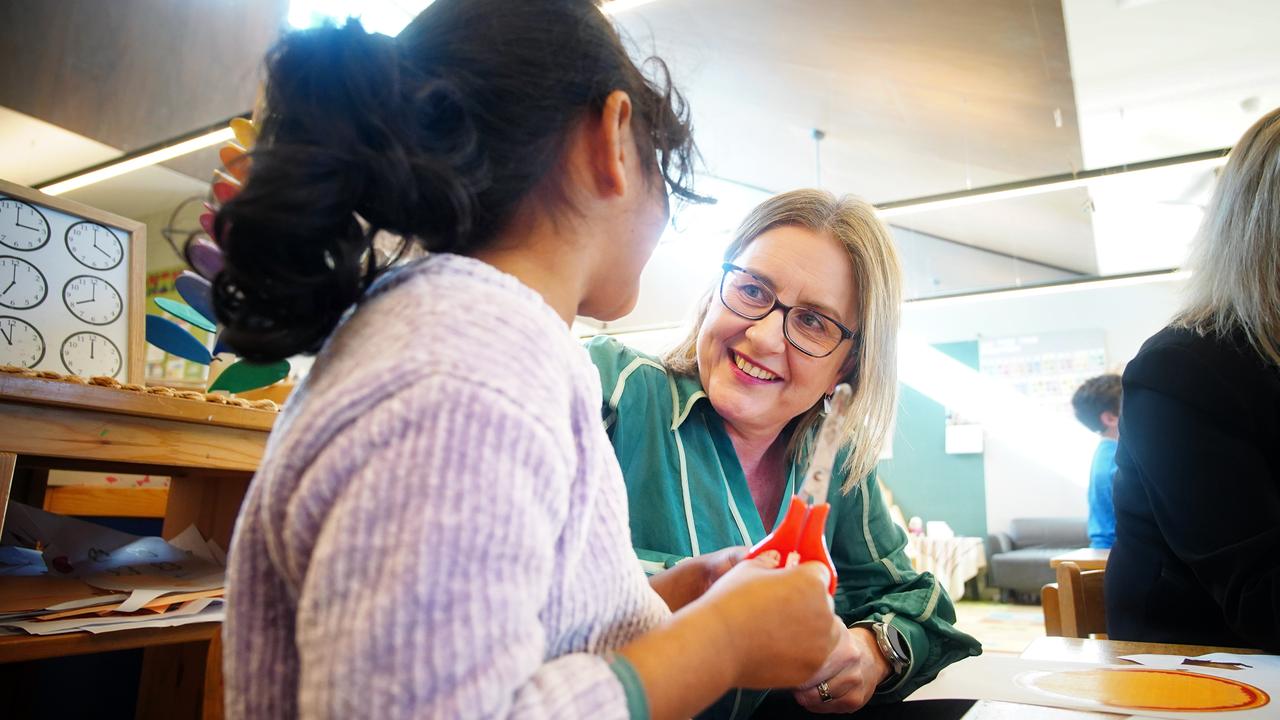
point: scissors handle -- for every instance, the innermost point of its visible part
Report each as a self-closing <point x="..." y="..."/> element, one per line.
<point x="800" y="537"/>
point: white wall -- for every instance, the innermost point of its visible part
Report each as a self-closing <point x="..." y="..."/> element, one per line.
<point x="1019" y="481"/>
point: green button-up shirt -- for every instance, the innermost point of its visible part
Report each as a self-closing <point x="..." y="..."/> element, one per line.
<point x="688" y="495"/>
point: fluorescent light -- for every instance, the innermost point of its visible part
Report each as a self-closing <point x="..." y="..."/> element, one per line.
<point x="1039" y="186"/>
<point x="129" y="163"/>
<point x="1055" y="288"/>
<point x="617" y="6"/>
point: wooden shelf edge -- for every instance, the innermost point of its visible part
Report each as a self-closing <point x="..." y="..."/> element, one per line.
<point x="38" y="391"/>
<point x="20" y="648"/>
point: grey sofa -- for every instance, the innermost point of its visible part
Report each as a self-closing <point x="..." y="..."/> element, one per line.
<point x="1018" y="561"/>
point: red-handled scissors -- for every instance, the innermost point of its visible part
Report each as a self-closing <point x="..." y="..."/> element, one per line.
<point x="801" y="536"/>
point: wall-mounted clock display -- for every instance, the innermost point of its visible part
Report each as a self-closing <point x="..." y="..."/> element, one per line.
<point x="92" y="299"/>
<point x="22" y="285"/>
<point x="22" y="226"/>
<point x="88" y="354"/>
<point x="97" y="262"/>
<point x="20" y="343"/>
<point x="94" y="245"/>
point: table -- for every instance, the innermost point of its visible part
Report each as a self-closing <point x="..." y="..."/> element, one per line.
<point x="1080" y="650"/>
<point x="1086" y="558"/>
<point x="953" y="561"/>
<point x="209" y="450"/>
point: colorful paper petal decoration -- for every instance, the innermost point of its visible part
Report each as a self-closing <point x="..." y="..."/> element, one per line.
<point x="198" y="293"/>
<point x="183" y="311"/>
<point x="245" y="375"/>
<point x="235" y="160"/>
<point x="205" y="257"/>
<point x="169" y="337"/>
<point x="246" y="133"/>
<point x="206" y="222"/>
<point x="224" y="191"/>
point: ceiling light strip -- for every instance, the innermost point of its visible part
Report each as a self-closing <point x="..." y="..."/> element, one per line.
<point x="144" y="157"/>
<point x="1037" y="186"/>
<point x="1054" y="288"/>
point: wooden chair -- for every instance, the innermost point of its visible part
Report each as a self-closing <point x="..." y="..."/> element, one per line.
<point x="1080" y="599"/>
<point x="1052" y="610"/>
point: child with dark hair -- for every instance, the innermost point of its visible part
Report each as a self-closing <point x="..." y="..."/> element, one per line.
<point x="1097" y="407"/>
<point x="439" y="525"/>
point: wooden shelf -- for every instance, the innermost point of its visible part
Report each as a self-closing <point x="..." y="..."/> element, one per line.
<point x="19" y="648"/>
<point x="38" y="391"/>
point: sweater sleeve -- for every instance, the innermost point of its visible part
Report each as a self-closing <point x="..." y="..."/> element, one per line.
<point x="424" y="590"/>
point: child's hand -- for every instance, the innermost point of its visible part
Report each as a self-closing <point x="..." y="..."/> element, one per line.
<point x="779" y="620"/>
<point x="690" y="578"/>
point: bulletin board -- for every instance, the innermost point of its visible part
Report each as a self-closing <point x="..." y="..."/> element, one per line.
<point x="1045" y="367"/>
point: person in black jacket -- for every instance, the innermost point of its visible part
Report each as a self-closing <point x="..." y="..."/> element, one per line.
<point x="1197" y="497"/>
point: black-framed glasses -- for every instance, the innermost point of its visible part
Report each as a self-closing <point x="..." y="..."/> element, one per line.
<point x="809" y="331"/>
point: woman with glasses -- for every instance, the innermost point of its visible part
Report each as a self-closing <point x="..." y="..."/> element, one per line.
<point x="712" y="437"/>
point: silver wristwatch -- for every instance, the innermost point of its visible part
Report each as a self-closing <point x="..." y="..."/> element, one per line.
<point x="892" y="646"/>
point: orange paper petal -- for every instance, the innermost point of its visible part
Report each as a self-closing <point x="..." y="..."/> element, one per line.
<point x="235" y="161"/>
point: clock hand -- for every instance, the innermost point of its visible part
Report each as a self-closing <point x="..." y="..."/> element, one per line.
<point x="92" y="342"/>
<point x="10" y="285"/>
<point x="7" y="337"/>
<point x="104" y="252"/>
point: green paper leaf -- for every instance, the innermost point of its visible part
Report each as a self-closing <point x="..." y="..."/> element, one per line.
<point x="244" y="375"/>
<point x="182" y="311"/>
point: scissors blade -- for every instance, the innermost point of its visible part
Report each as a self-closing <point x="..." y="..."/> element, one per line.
<point x="817" y="479"/>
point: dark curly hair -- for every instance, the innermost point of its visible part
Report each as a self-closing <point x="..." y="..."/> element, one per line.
<point x="1096" y="396"/>
<point x="436" y="136"/>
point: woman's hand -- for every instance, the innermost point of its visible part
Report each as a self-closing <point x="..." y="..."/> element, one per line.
<point x="689" y="579"/>
<point x="778" y="622"/>
<point x="852" y="672"/>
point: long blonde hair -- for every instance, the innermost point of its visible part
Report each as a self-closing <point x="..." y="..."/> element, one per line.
<point x="1236" y="254"/>
<point x="872" y="368"/>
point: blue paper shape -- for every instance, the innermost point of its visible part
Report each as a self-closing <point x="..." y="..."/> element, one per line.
<point x="198" y="293"/>
<point x="171" y="338"/>
<point x="183" y="311"/>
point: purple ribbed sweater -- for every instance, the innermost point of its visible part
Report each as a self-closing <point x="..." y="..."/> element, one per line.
<point x="439" y="527"/>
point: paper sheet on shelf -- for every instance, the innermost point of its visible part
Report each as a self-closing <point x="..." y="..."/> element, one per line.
<point x="1013" y="679"/>
<point x="205" y="608"/>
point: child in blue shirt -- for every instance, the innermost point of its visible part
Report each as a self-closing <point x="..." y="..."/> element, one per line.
<point x="1097" y="406"/>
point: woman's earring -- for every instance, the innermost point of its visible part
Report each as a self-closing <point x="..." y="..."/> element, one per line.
<point x="826" y="404"/>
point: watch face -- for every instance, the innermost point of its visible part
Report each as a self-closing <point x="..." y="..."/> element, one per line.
<point x="20" y="343"/>
<point x="88" y="354"/>
<point x="94" y="245"/>
<point x="22" y="285"/>
<point x="22" y="226"/>
<point x="92" y="299"/>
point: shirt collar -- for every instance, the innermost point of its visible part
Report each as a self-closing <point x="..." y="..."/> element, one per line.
<point x="686" y="391"/>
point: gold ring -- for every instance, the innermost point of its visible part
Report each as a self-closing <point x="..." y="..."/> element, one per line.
<point x="824" y="692"/>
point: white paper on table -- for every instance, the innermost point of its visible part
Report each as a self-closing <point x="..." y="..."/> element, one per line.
<point x="55" y="627"/>
<point x="1003" y="678"/>
<point x="1177" y="662"/>
<point x="138" y="598"/>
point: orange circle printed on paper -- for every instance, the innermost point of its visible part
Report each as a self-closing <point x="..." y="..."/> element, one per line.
<point x="1149" y="689"/>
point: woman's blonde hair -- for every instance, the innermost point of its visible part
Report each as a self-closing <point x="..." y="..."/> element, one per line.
<point x="1236" y="254"/>
<point x="872" y="367"/>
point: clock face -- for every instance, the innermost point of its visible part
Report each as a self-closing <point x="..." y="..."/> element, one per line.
<point x="20" y="343"/>
<point x="22" y="226"/>
<point x="88" y="354"/>
<point x="92" y="299"/>
<point x="22" y="285"/>
<point x="94" y="246"/>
